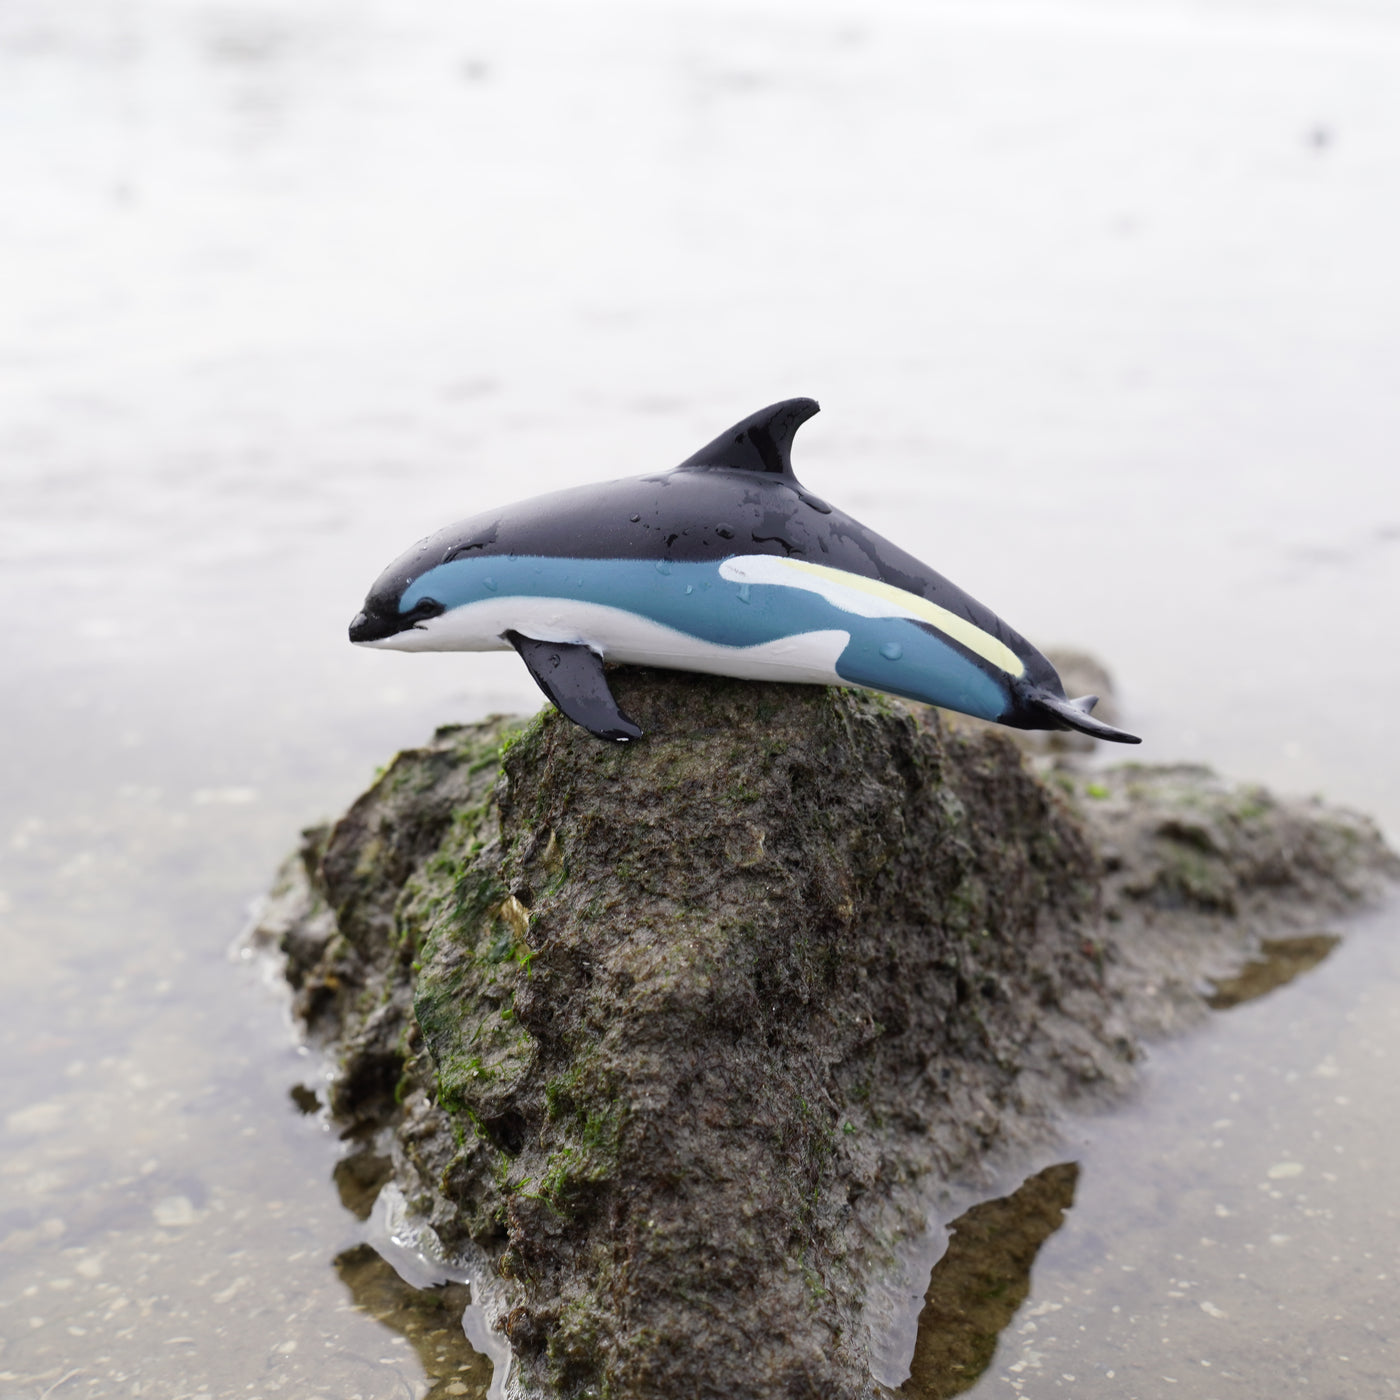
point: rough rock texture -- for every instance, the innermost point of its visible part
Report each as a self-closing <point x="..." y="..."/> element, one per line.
<point x="688" y="1036"/>
<point x="1196" y="869"/>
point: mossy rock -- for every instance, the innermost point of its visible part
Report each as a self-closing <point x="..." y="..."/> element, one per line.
<point x="689" y="1035"/>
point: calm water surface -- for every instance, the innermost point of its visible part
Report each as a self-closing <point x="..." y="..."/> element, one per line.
<point x="1104" y="311"/>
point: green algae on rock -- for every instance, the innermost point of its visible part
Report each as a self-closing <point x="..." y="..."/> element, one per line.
<point x="689" y="1037"/>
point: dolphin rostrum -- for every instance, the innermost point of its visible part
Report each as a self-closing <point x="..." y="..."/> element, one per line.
<point x="724" y="564"/>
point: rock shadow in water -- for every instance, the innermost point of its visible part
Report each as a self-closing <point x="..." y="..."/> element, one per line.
<point x="430" y="1319"/>
<point x="1278" y="962"/>
<point x="981" y="1281"/>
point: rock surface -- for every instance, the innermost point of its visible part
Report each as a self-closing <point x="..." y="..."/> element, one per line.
<point x="690" y="1036"/>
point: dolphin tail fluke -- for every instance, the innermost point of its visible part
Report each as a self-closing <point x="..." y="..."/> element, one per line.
<point x="1074" y="714"/>
<point x="571" y="676"/>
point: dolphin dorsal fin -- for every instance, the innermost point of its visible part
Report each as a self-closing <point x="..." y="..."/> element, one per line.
<point x="761" y="443"/>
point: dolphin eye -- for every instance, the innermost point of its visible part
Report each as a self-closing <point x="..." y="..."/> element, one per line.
<point x="424" y="608"/>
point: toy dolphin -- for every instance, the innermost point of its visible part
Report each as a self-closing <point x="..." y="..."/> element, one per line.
<point x="724" y="564"/>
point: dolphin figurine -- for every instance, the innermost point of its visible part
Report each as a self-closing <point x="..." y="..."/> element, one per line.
<point x="724" y="564"/>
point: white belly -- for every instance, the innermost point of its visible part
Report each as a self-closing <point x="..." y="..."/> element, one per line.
<point x="622" y="636"/>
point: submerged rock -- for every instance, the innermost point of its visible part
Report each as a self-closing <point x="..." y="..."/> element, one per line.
<point x="688" y="1037"/>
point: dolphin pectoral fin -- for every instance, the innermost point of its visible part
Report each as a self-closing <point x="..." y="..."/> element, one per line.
<point x="571" y="676"/>
<point x="1074" y="714"/>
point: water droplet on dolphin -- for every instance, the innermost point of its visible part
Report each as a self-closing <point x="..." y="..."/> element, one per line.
<point x="891" y="651"/>
<point x="634" y="518"/>
<point x="489" y="584"/>
<point x="690" y="588"/>
<point x="743" y="593"/>
<point x="663" y="566"/>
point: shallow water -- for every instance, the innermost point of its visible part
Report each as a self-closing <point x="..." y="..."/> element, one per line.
<point x="1234" y="1230"/>
<point x="1103" y="310"/>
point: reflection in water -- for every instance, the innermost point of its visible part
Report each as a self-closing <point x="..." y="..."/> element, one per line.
<point x="358" y="1178"/>
<point x="305" y="1099"/>
<point x="429" y="1318"/>
<point x="1280" y="960"/>
<point x="981" y="1281"/>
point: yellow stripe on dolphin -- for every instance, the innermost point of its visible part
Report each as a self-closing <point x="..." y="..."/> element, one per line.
<point x="971" y="636"/>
